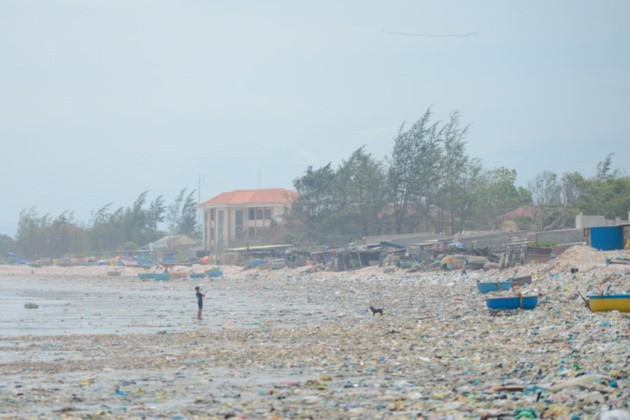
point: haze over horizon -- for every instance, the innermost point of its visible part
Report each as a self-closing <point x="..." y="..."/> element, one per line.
<point x="104" y="100"/>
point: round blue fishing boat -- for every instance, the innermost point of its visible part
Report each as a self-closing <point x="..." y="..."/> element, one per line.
<point x="513" y="302"/>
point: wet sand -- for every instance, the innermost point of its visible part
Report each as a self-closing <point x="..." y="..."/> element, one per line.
<point x="286" y="344"/>
<point x="129" y="305"/>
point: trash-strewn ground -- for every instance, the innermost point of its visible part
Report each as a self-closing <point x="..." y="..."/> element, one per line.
<point x="288" y="344"/>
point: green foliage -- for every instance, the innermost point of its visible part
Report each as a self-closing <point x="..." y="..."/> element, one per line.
<point x="182" y="214"/>
<point x="494" y="195"/>
<point x="604" y="170"/>
<point x="428" y="183"/>
<point x="130" y="246"/>
<point x="107" y="231"/>
<point x="562" y="198"/>
<point x="413" y="172"/>
<point x="543" y="244"/>
<point x="609" y="197"/>
<point x="545" y="189"/>
<point x="524" y="223"/>
<point x="7" y="244"/>
<point x="336" y="206"/>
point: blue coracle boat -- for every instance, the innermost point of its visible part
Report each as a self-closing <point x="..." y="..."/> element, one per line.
<point x="154" y="276"/>
<point x="510" y="303"/>
<point x="485" y="287"/>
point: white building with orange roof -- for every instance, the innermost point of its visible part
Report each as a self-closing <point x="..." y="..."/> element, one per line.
<point x="243" y="216"/>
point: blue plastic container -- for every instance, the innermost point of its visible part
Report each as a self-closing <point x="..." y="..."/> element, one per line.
<point x="606" y="238"/>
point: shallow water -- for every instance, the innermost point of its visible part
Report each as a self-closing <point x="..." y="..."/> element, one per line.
<point x="130" y="305"/>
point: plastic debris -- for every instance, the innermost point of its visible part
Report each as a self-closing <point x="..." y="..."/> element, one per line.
<point x="295" y="343"/>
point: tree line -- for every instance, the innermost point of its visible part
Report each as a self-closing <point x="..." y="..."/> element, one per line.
<point x="428" y="182"/>
<point x="109" y="230"/>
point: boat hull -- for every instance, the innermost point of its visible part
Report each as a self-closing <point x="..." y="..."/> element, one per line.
<point x="214" y="272"/>
<point x="485" y="287"/>
<point x="520" y="281"/>
<point x="619" y="303"/>
<point x="511" y="303"/>
<point x="154" y="276"/>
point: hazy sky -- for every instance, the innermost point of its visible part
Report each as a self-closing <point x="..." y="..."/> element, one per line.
<point x="102" y="100"/>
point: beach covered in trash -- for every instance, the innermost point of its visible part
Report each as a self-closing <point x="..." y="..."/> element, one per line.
<point x="299" y="343"/>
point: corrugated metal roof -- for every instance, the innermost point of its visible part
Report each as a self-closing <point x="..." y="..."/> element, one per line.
<point x="252" y="197"/>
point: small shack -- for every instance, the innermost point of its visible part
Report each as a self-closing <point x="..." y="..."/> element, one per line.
<point x="607" y="238"/>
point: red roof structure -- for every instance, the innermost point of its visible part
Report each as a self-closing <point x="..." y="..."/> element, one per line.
<point x="252" y="197"/>
<point x="529" y="210"/>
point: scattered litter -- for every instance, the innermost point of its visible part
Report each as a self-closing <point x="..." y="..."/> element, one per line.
<point x="303" y="343"/>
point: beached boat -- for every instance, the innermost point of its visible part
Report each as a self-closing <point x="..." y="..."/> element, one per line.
<point x="602" y="303"/>
<point x="520" y="281"/>
<point x="214" y="272"/>
<point x="514" y="302"/>
<point x="197" y="275"/>
<point x="113" y="273"/>
<point x="175" y="263"/>
<point x="278" y="263"/>
<point x="143" y="262"/>
<point x="179" y="275"/>
<point x="154" y="276"/>
<point x="493" y="286"/>
<point x="507" y="284"/>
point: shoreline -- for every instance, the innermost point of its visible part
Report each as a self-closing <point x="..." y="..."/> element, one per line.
<point x="288" y="344"/>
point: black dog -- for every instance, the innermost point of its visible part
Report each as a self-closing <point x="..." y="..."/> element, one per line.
<point x="376" y="311"/>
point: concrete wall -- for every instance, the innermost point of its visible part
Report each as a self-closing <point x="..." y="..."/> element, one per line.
<point x="482" y="241"/>
<point x="563" y="236"/>
<point x="405" y="239"/>
<point x="583" y="221"/>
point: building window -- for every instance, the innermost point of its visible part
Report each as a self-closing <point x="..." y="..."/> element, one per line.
<point x="252" y="214"/>
<point x="268" y="214"/>
<point x="259" y="214"/>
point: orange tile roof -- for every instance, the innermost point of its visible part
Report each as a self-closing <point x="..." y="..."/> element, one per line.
<point x="252" y="197"/>
<point x="523" y="211"/>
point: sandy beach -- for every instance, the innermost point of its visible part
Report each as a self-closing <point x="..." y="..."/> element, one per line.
<point x="289" y="344"/>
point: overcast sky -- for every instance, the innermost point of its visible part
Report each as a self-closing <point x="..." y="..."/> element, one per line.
<point x="102" y="100"/>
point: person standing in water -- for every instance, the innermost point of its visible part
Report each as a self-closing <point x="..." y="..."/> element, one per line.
<point x="200" y="295"/>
